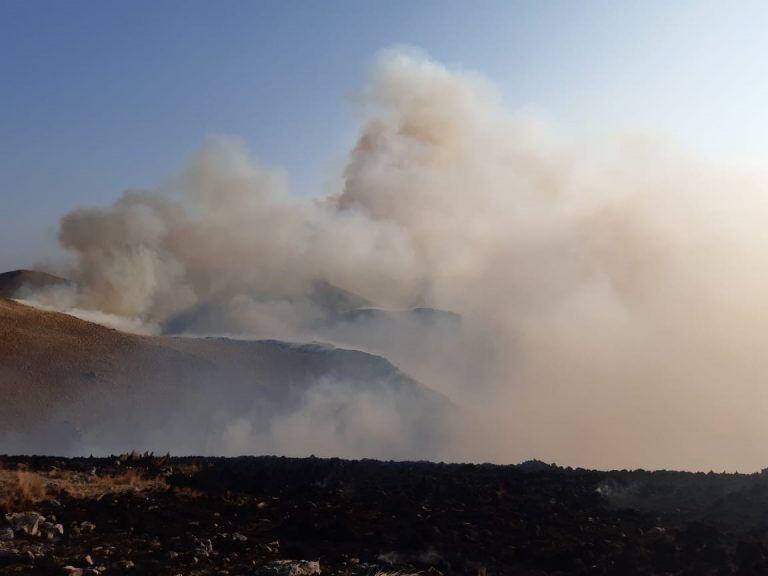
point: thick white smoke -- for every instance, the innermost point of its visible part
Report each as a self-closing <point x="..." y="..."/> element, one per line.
<point x="611" y="294"/>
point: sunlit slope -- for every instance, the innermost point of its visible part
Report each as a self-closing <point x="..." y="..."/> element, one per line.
<point x="67" y="385"/>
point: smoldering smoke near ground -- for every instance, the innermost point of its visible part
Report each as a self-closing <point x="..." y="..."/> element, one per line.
<point x="611" y="292"/>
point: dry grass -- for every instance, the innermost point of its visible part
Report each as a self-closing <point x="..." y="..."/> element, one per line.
<point x="20" y="488"/>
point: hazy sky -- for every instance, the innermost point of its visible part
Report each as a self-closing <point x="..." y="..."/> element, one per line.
<point x="97" y="97"/>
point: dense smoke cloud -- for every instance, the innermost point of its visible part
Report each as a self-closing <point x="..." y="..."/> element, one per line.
<point x="611" y="294"/>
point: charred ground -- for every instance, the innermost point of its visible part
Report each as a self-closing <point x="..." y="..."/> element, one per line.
<point x="144" y="515"/>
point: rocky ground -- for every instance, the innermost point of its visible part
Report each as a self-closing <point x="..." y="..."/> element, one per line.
<point x="147" y="515"/>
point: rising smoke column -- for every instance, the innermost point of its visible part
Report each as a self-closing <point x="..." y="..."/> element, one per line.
<point x="612" y="292"/>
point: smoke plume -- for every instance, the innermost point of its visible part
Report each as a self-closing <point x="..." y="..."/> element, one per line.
<point x="611" y="294"/>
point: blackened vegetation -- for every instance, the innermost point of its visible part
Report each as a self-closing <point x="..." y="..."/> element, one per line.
<point x="235" y="516"/>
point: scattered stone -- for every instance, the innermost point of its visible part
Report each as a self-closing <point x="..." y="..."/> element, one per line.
<point x="87" y="527"/>
<point x="26" y="522"/>
<point x="72" y="571"/>
<point x="204" y="547"/>
<point x="6" y="534"/>
<point x="50" y="531"/>
<point x="271" y="548"/>
<point x="290" y="568"/>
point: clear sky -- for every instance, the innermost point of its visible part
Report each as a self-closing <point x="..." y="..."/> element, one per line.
<point x="100" y="96"/>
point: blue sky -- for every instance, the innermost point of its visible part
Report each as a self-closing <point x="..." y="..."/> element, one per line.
<point x="100" y="96"/>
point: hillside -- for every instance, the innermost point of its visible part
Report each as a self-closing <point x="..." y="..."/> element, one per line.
<point x="69" y="386"/>
<point x="13" y="284"/>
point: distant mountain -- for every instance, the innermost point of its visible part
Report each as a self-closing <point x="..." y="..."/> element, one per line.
<point x="15" y="283"/>
<point x="424" y="316"/>
<point x="414" y="338"/>
<point x="220" y="314"/>
<point x="328" y="313"/>
<point x="70" y="386"/>
<point x="334" y="299"/>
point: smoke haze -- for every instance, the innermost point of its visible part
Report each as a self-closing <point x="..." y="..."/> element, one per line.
<point x="610" y="294"/>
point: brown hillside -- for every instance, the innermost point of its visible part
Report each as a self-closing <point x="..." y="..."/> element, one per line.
<point x="48" y="359"/>
<point x="63" y="379"/>
<point x="13" y="284"/>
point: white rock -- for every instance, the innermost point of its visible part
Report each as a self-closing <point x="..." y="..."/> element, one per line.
<point x="27" y="522"/>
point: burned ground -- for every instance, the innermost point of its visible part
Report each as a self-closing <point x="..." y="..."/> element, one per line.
<point x="239" y="516"/>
